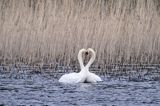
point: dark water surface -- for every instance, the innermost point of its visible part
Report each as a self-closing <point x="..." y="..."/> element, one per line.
<point x="41" y="90"/>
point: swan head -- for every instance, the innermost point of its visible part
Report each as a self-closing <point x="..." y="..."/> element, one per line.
<point x="80" y="53"/>
<point x="91" y="50"/>
<point x="86" y="52"/>
<point x="83" y="50"/>
<point x="93" y="53"/>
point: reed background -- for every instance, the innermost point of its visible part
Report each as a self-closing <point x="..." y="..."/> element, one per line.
<point x="53" y="31"/>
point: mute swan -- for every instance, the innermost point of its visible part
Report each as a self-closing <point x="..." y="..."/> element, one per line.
<point x="91" y="77"/>
<point x="76" y="77"/>
<point x="84" y="75"/>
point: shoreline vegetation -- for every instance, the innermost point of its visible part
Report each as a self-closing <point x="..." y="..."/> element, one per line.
<point x="123" y="72"/>
<point x="38" y="32"/>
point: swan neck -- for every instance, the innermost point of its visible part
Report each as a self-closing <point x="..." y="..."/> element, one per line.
<point x="84" y="71"/>
<point x="80" y="59"/>
<point x="91" y="60"/>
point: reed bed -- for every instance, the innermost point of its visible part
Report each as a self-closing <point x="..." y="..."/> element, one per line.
<point x="53" y="31"/>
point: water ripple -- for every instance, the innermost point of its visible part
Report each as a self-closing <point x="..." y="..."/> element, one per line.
<point x="40" y="90"/>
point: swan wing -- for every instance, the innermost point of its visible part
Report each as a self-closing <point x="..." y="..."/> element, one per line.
<point x="71" y="78"/>
<point x="93" y="78"/>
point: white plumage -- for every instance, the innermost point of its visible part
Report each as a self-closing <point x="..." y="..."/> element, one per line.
<point x="84" y="75"/>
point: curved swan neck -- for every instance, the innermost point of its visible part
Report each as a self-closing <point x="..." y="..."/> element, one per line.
<point x="92" y="58"/>
<point x="80" y="58"/>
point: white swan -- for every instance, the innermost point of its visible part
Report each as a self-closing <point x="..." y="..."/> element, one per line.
<point x="76" y="77"/>
<point x="84" y="75"/>
<point x="91" y="77"/>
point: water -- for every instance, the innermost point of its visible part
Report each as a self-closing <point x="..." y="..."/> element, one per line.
<point x="38" y="89"/>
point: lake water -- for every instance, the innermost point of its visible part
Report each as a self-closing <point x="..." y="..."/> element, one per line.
<point x="39" y="89"/>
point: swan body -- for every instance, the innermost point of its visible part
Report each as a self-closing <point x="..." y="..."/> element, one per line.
<point x="72" y="78"/>
<point x="93" y="78"/>
<point x="84" y="75"/>
<point x="76" y="77"/>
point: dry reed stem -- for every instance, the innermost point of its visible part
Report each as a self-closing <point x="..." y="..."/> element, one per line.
<point x="53" y="31"/>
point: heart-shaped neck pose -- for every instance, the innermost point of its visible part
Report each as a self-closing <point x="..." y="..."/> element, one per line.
<point x="84" y="75"/>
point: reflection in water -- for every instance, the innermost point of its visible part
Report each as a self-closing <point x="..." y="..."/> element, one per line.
<point x="40" y="90"/>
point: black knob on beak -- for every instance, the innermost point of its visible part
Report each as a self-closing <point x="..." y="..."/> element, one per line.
<point x="86" y="53"/>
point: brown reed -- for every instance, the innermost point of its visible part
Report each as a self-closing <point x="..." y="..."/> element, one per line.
<point x="53" y="31"/>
